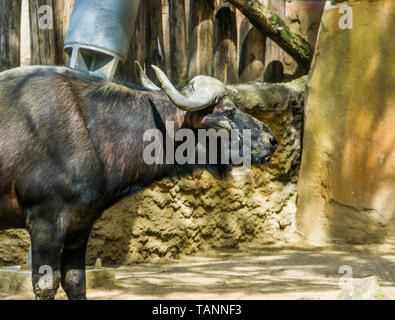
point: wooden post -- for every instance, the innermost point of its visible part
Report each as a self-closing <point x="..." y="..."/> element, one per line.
<point x="225" y="45"/>
<point x="252" y="56"/>
<point x="25" y="34"/>
<point x="274" y="60"/>
<point x="62" y="15"/>
<point x="178" y="42"/>
<point x="244" y="27"/>
<point x="137" y="49"/>
<point x="43" y="46"/>
<point x="166" y="33"/>
<point x="10" y="33"/>
<point x="200" y="53"/>
<point x="155" y="53"/>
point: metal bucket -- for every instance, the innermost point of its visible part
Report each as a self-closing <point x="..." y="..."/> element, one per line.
<point x="99" y="34"/>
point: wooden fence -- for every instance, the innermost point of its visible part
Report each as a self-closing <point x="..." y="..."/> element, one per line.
<point x="184" y="37"/>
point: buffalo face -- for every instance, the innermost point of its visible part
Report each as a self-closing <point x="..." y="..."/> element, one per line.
<point x="262" y="142"/>
<point x="208" y="106"/>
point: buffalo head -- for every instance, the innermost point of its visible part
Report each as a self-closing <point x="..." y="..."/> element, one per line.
<point x="208" y="105"/>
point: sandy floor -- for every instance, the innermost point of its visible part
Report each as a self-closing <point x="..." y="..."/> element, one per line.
<point x="289" y="272"/>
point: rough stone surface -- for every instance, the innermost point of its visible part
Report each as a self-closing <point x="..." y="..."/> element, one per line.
<point x="14" y="246"/>
<point x="346" y="191"/>
<point x="197" y="213"/>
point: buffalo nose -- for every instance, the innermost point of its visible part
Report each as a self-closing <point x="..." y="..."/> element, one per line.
<point x="273" y="142"/>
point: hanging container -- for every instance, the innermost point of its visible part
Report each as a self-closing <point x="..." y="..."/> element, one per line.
<point x="99" y="34"/>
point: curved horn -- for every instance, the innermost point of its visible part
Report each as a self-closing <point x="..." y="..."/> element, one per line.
<point x="207" y="91"/>
<point x="145" y="81"/>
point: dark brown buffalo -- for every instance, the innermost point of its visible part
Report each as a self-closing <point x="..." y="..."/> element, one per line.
<point x="71" y="145"/>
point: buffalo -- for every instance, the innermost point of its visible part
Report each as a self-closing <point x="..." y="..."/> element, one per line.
<point x="71" y="145"/>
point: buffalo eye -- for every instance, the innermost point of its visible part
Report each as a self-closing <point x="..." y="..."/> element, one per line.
<point x="229" y="114"/>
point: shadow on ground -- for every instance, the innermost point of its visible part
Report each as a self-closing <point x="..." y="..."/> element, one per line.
<point x="268" y="273"/>
<point x="288" y="272"/>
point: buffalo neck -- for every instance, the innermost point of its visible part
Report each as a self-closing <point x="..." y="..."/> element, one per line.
<point x="117" y="118"/>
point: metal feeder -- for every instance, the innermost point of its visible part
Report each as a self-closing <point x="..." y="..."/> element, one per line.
<point x="99" y="34"/>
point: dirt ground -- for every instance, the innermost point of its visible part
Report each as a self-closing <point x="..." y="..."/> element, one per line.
<point x="267" y="272"/>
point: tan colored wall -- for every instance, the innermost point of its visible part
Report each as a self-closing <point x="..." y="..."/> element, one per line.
<point x="347" y="180"/>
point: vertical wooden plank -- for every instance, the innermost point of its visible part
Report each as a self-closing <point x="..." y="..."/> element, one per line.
<point x="155" y="53"/>
<point x="10" y="33"/>
<point x="244" y="27"/>
<point x="187" y="7"/>
<point x="166" y="33"/>
<point x="62" y="14"/>
<point x="274" y="60"/>
<point x="137" y="49"/>
<point x="252" y="55"/>
<point x="225" y="45"/>
<point x="147" y="44"/>
<point x="200" y="52"/>
<point x="43" y="46"/>
<point x="25" y="33"/>
<point x="139" y="41"/>
<point x="303" y="18"/>
<point x="178" y="44"/>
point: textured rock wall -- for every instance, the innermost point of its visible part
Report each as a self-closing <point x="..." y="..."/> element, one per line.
<point x="197" y="213"/>
<point x="347" y="182"/>
<point x="14" y="246"/>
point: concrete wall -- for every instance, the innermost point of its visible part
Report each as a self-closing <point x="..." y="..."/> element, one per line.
<point x="347" y="181"/>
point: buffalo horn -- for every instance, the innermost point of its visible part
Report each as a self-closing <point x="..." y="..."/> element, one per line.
<point x="207" y="91"/>
<point x="145" y="81"/>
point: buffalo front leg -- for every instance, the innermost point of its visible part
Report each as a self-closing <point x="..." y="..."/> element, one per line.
<point x="47" y="238"/>
<point x="73" y="271"/>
